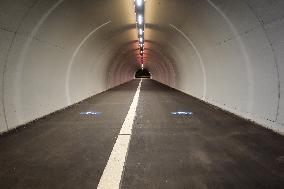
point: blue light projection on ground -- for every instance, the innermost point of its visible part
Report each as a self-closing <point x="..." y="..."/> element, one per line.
<point x="90" y="113"/>
<point x="181" y="113"/>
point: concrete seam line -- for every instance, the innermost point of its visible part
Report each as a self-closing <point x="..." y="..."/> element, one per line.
<point x="29" y="38"/>
<point x="201" y="63"/>
<point x="262" y="25"/>
<point x="249" y="72"/>
<point x="112" y="174"/>
<point x="7" y="58"/>
<point x="73" y="59"/>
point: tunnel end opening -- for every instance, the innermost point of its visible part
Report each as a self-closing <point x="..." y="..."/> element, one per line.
<point x="143" y="73"/>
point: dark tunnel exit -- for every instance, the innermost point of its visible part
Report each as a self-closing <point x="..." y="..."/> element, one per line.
<point x="143" y="73"/>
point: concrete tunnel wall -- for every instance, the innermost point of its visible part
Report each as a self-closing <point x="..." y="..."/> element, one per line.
<point x="226" y="52"/>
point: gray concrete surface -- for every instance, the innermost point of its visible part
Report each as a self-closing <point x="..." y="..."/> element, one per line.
<point x="66" y="149"/>
<point x="226" y="52"/>
<point x="208" y="149"/>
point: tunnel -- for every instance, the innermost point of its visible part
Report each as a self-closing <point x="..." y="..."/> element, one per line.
<point x="226" y="56"/>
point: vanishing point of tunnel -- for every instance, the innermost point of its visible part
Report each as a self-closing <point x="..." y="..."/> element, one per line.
<point x="142" y="94"/>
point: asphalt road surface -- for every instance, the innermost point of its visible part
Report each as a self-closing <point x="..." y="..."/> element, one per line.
<point x="200" y="147"/>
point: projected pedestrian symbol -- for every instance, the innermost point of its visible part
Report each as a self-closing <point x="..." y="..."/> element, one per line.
<point x="181" y="113"/>
<point x="90" y="113"/>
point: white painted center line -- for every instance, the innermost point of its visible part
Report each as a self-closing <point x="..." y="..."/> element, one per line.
<point x="113" y="171"/>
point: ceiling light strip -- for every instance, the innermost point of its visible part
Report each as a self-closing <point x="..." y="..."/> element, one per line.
<point x="140" y="25"/>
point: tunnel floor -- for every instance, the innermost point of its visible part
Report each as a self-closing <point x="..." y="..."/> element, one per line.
<point x="177" y="142"/>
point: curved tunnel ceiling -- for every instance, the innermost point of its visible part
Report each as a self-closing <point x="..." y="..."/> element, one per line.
<point x="228" y="53"/>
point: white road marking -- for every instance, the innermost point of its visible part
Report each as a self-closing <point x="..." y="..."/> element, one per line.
<point x="113" y="171"/>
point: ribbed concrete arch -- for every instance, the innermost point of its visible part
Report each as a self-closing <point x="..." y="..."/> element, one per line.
<point x="155" y="61"/>
<point x="228" y="53"/>
<point x="128" y="56"/>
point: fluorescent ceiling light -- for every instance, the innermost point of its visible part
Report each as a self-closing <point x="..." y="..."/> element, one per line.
<point x="139" y="3"/>
<point x="140" y="19"/>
